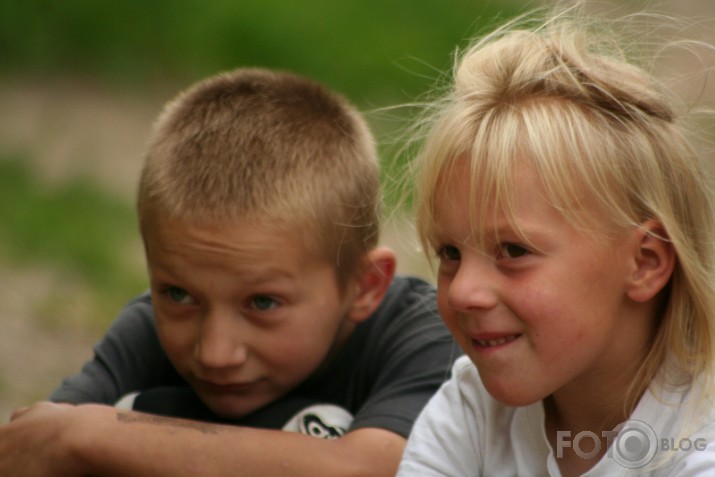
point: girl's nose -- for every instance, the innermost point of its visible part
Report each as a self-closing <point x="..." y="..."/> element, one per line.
<point x="473" y="287"/>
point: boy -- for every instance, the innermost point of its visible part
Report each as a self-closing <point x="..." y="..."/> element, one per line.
<point x="258" y="208"/>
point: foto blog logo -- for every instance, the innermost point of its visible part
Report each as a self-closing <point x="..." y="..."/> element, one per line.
<point x="632" y="444"/>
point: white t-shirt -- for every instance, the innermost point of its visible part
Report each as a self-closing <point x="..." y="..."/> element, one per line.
<point x="463" y="431"/>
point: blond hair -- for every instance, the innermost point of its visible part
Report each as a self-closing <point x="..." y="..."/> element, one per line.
<point x="561" y="99"/>
<point x="271" y="147"/>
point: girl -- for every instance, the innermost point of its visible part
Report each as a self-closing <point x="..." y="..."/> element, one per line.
<point x="574" y="233"/>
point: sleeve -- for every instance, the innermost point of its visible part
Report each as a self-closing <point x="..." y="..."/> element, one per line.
<point x="441" y="443"/>
<point x="128" y="358"/>
<point x="410" y="354"/>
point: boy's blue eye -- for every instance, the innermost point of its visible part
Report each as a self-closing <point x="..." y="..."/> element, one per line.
<point x="448" y="253"/>
<point x="179" y="295"/>
<point x="263" y="303"/>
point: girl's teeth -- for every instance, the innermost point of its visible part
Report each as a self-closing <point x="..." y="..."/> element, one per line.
<point x="496" y="341"/>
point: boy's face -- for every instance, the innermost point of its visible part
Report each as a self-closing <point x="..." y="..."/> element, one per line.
<point x="243" y="312"/>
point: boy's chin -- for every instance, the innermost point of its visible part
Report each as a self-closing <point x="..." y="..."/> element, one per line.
<point x="232" y="407"/>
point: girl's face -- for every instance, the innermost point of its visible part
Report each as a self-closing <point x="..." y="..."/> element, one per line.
<point x="539" y="316"/>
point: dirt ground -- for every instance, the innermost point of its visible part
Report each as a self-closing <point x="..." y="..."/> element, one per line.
<point x="67" y="128"/>
<point x="33" y="357"/>
<point x="75" y="127"/>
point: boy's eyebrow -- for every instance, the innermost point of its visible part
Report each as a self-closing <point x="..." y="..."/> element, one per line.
<point x="271" y="274"/>
<point x="257" y="275"/>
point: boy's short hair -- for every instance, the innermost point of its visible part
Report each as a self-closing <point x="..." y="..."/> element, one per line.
<point x="271" y="147"/>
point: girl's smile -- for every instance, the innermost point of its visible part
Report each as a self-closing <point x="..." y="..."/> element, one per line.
<point x="493" y="340"/>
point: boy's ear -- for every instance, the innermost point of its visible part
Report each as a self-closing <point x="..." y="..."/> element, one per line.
<point x="654" y="262"/>
<point x="372" y="282"/>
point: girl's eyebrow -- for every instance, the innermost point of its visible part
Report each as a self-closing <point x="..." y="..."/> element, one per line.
<point x="530" y="233"/>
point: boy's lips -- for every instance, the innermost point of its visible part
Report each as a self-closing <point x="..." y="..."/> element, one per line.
<point x="237" y="387"/>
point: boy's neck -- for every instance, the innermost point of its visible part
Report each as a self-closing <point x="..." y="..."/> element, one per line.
<point x="346" y="329"/>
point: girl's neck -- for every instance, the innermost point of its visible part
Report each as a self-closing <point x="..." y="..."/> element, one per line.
<point x="593" y="406"/>
<point x="595" y="411"/>
<point x="565" y="422"/>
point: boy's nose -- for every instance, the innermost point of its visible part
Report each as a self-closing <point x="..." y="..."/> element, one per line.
<point x="473" y="287"/>
<point x="220" y="344"/>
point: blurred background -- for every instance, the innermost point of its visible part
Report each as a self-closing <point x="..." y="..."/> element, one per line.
<point x="81" y="82"/>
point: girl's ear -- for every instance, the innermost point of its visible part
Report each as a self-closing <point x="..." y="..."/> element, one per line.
<point x="372" y="282"/>
<point x="654" y="262"/>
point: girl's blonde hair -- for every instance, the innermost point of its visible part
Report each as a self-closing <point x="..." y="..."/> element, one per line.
<point x="560" y="100"/>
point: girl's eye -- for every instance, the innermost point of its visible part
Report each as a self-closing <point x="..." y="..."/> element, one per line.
<point x="448" y="253"/>
<point x="179" y="295"/>
<point x="512" y="250"/>
<point x="263" y="303"/>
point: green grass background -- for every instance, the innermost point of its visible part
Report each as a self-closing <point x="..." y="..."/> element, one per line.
<point x="379" y="53"/>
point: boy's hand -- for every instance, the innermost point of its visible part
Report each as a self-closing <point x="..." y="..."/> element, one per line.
<point x="32" y="445"/>
<point x="45" y="406"/>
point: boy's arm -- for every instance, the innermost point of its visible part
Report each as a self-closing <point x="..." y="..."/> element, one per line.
<point x="50" y="440"/>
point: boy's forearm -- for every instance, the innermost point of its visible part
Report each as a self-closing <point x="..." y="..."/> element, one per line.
<point x="126" y="443"/>
<point x="105" y="442"/>
<point x="149" y="445"/>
